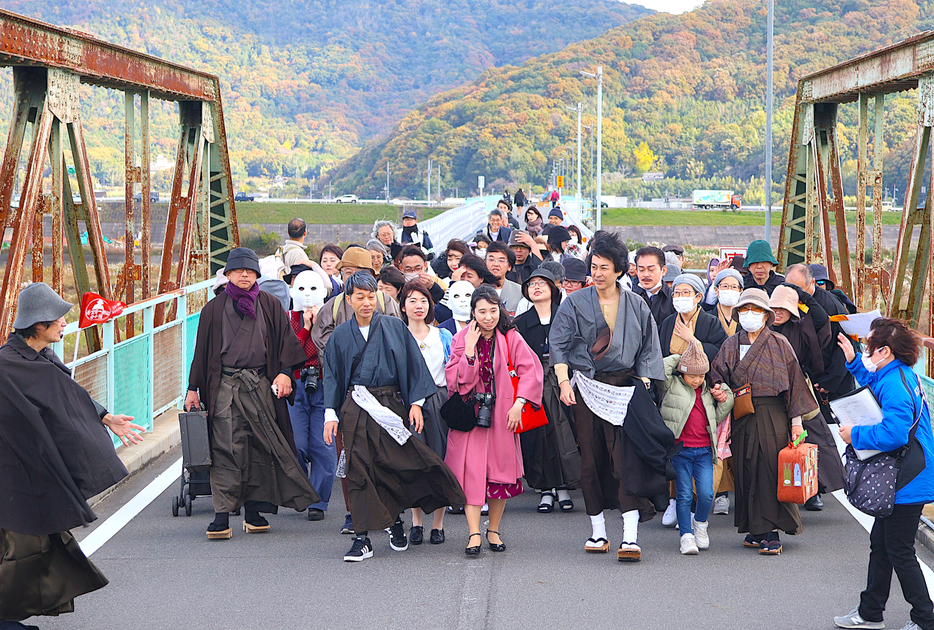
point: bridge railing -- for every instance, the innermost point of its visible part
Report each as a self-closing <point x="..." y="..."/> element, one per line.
<point x="462" y="222"/>
<point x="146" y="375"/>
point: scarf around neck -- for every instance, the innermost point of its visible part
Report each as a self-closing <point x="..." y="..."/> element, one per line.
<point x="244" y="300"/>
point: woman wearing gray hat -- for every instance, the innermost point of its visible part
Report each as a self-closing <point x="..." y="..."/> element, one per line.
<point x="763" y="362"/>
<point x="727" y="287"/>
<point x="689" y="323"/>
<point x="549" y="453"/>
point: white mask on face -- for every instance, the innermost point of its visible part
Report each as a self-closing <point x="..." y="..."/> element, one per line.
<point x="458" y="300"/>
<point x="728" y="297"/>
<point x="308" y="290"/>
<point x="868" y="364"/>
<point x="574" y="241"/>
<point x="481" y="252"/>
<point x="683" y="304"/>
<point x="411" y="276"/>
<point x="751" y="321"/>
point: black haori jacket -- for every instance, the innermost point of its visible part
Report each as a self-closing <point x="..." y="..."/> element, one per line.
<point x="55" y="452"/>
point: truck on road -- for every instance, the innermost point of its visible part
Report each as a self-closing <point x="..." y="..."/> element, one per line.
<point x="716" y="200"/>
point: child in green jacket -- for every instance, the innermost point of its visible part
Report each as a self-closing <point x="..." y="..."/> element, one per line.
<point x="692" y="409"/>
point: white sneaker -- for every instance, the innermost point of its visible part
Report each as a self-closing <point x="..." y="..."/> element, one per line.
<point x="853" y="620"/>
<point x="700" y="534"/>
<point x="688" y="545"/>
<point x="912" y="626"/>
<point x="670" y="518"/>
<point x="721" y="505"/>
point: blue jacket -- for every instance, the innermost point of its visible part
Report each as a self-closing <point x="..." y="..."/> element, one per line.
<point x="898" y="408"/>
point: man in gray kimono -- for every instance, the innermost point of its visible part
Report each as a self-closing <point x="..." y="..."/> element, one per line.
<point x="374" y="376"/>
<point x="607" y="337"/>
<point x="245" y="355"/>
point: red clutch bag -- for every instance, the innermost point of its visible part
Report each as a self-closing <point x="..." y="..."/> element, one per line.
<point x="531" y="418"/>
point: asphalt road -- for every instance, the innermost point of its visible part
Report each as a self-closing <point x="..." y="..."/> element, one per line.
<point x="164" y="573"/>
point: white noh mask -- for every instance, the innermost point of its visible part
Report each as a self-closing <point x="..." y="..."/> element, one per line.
<point x="308" y="290"/>
<point x="458" y="298"/>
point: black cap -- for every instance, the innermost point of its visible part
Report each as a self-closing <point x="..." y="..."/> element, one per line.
<point x="547" y="275"/>
<point x="574" y="269"/>
<point x="558" y="234"/>
<point x="242" y="258"/>
<point x="676" y="249"/>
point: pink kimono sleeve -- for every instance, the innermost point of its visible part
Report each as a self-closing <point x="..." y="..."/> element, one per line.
<point x="528" y="367"/>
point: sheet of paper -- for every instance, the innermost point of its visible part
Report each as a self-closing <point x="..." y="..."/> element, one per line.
<point x="858" y="323"/>
<point x="858" y="409"/>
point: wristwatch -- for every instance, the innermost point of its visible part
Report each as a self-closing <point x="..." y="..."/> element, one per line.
<point x="521" y="400"/>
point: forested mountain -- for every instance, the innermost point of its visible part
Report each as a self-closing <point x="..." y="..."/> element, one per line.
<point x="307" y="82"/>
<point x="683" y="94"/>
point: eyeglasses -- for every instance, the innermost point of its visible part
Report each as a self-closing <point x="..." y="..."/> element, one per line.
<point x="728" y="287"/>
<point x="678" y="293"/>
<point x="413" y="269"/>
<point x="535" y="284"/>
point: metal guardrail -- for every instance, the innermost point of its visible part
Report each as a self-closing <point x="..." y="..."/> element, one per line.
<point x="146" y="375"/>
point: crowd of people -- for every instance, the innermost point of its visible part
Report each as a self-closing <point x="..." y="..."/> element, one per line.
<point x="413" y="375"/>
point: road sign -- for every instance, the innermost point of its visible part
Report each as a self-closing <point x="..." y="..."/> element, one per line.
<point x="71" y="170"/>
<point x="728" y="253"/>
<point x="481" y="182"/>
<point x="560" y="182"/>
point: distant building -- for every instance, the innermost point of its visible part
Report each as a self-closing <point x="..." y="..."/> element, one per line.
<point x="653" y="177"/>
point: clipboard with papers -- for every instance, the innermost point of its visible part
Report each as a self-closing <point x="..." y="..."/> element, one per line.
<point x="858" y="408"/>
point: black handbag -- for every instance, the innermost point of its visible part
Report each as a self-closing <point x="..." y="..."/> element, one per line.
<point x="871" y="484"/>
<point x="459" y="414"/>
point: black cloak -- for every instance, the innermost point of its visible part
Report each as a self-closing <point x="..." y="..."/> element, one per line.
<point x="55" y="453"/>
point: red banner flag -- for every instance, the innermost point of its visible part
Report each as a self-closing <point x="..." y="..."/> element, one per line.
<point x="97" y="310"/>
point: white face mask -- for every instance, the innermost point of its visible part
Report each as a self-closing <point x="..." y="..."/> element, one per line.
<point x="751" y="321"/>
<point x="574" y="241"/>
<point x="868" y="364"/>
<point x="683" y="304"/>
<point x="308" y="290"/>
<point x="728" y="297"/>
<point x="481" y="252"/>
<point x="458" y="300"/>
<point x="411" y="276"/>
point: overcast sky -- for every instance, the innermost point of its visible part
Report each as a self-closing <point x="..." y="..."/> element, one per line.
<point x="669" y="6"/>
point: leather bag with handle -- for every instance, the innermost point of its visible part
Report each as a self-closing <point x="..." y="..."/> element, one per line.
<point x="532" y="418"/>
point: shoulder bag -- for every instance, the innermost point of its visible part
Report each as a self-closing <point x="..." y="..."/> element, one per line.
<point x="532" y="418"/>
<point x="458" y="411"/>
<point x="871" y="484"/>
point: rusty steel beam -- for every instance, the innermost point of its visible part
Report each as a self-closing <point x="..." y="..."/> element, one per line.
<point x="49" y="65"/>
<point x="895" y="68"/>
<point x="25" y="41"/>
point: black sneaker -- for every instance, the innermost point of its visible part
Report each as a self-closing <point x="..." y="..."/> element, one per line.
<point x="348" y="525"/>
<point x="397" y="539"/>
<point x="417" y="534"/>
<point x="360" y="551"/>
<point x="314" y="514"/>
<point x="814" y="504"/>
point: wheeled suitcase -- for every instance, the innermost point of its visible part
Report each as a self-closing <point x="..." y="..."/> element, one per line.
<point x="196" y="460"/>
<point x="797" y="472"/>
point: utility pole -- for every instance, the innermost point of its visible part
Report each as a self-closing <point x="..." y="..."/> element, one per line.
<point x="599" y="77"/>
<point x="768" y="127"/>
<point x="387" y="182"/>
<point x="429" y="182"/>
<point x="439" y="183"/>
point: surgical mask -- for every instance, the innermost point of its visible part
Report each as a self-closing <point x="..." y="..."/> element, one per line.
<point x="574" y="241"/>
<point x="868" y="364"/>
<point x="683" y="304"/>
<point x="481" y="252"/>
<point x="751" y="321"/>
<point x="728" y="297"/>
<point x="411" y="276"/>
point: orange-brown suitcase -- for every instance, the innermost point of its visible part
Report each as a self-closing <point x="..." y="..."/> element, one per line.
<point x="797" y="473"/>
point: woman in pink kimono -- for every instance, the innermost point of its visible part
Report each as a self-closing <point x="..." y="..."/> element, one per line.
<point x="488" y="461"/>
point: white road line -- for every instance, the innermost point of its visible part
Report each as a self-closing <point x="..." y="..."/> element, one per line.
<point x="866" y="521"/>
<point x="109" y="528"/>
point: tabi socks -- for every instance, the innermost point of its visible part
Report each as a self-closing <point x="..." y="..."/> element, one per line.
<point x="598" y="523"/>
<point x="630" y="526"/>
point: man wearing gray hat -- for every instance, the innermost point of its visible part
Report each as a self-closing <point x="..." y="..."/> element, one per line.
<point x="243" y="370"/>
<point x="55" y="454"/>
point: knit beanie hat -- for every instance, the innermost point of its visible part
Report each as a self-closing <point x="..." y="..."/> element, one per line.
<point x="694" y="361"/>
